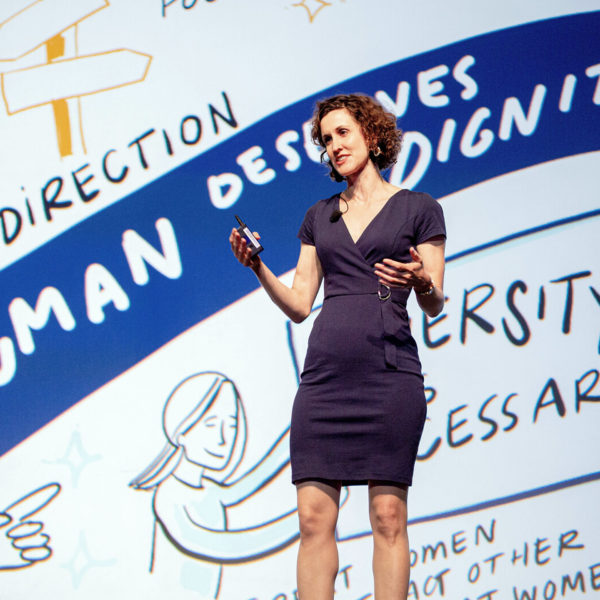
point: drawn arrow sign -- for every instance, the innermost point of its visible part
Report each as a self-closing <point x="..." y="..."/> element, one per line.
<point x="39" y="21"/>
<point x="80" y="76"/>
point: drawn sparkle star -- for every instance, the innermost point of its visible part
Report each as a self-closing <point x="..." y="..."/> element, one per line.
<point x="82" y="561"/>
<point x="312" y="7"/>
<point x="75" y="457"/>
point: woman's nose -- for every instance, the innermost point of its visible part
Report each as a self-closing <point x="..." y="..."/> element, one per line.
<point x="222" y="440"/>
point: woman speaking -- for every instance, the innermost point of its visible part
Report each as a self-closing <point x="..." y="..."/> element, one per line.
<point x="360" y="407"/>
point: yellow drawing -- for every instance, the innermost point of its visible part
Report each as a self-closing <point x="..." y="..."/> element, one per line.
<point x="312" y="7"/>
<point x="65" y="75"/>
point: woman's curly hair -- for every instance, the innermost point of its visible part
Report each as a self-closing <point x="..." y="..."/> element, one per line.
<point x="377" y="125"/>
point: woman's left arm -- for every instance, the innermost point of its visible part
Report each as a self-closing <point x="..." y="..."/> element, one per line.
<point x="431" y="255"/>
<point x="425" y="274"/>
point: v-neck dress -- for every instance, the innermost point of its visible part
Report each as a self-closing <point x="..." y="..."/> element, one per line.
<point x="360" y="408"/>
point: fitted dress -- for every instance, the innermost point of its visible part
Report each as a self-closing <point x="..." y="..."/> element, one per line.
<point x="360" y="407"/>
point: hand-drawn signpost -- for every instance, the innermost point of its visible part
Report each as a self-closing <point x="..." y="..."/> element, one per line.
<point x="65" y="76"/>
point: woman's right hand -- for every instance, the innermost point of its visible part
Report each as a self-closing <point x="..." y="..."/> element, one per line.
<point x="240" y="249"/>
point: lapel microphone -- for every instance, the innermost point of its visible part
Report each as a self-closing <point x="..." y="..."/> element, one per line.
<point x="335" y="216"/>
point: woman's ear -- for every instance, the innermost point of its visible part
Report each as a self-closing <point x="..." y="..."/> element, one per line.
<point x="372" y="141"/>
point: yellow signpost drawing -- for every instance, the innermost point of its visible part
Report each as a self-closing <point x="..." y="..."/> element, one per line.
<point x="53" y="23"/>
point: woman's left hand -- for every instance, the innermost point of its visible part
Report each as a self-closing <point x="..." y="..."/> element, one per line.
<point x="396" y="274"/>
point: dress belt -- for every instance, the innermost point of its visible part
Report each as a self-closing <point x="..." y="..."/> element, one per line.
<point x="384" y="293"/>
<point x="388" y="297"/>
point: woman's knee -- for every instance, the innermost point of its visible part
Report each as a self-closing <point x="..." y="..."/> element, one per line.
<point x="317" y="511"/>
<point x="388" y="518"/>
<point x="315" y="522"/>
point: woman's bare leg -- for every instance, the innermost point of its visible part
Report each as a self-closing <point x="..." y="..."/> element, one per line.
<point x="391" y="559"/>
<point x="318" y="504"/>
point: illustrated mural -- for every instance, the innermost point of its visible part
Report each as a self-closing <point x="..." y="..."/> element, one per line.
<point x="65" y="74"/>
<point x="146" y="383"/>
<point x="205" y="425"/>
<point x="23" y="541"/>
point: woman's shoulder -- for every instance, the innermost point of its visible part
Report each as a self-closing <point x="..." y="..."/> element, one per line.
<point x="173" y="488"/>
<point x="173" y="492"/>
<point x="325" y="205"/>
<point x="415" y="196"/>
<point x="416" y="200"/>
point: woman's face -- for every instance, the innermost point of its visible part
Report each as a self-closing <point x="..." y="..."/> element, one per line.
<point x="344" y="141"/>
<point x="209" y="442"/>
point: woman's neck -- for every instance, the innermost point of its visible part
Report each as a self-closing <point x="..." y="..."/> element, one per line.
<point x="368" y="185"/>
<point x="189" y="472"/>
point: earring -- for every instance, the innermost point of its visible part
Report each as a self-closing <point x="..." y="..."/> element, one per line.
<point x="377" y="151"/>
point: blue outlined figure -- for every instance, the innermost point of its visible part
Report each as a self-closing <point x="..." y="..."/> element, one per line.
<point x="205" y="425"/>
<point x="22" y="540"/>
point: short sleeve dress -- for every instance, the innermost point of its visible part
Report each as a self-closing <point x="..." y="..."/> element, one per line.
<point x="360" y="408"/>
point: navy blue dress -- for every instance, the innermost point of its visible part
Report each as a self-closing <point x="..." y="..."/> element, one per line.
<point x="360" y="408"/>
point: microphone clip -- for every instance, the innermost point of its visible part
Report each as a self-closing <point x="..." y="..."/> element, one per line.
<point x="335" y="216"/>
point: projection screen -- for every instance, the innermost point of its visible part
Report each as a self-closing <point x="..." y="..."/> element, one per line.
<point x="132" y="133"/>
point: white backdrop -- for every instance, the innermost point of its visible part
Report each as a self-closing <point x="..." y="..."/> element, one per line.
<point x="132" y="132"/>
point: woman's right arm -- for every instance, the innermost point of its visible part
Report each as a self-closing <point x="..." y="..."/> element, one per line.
<point x="296" y="302"/>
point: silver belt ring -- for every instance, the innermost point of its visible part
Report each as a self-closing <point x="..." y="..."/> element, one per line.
<point x="387" y="294"/>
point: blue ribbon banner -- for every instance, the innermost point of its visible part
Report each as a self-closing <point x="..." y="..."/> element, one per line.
<point x="91" y="303"/>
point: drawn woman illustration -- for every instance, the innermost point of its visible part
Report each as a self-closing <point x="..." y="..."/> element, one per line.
<point x="205" y="426"/>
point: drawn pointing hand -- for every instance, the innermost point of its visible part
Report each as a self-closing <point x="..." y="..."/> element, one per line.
<point x="22" y="541"/>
